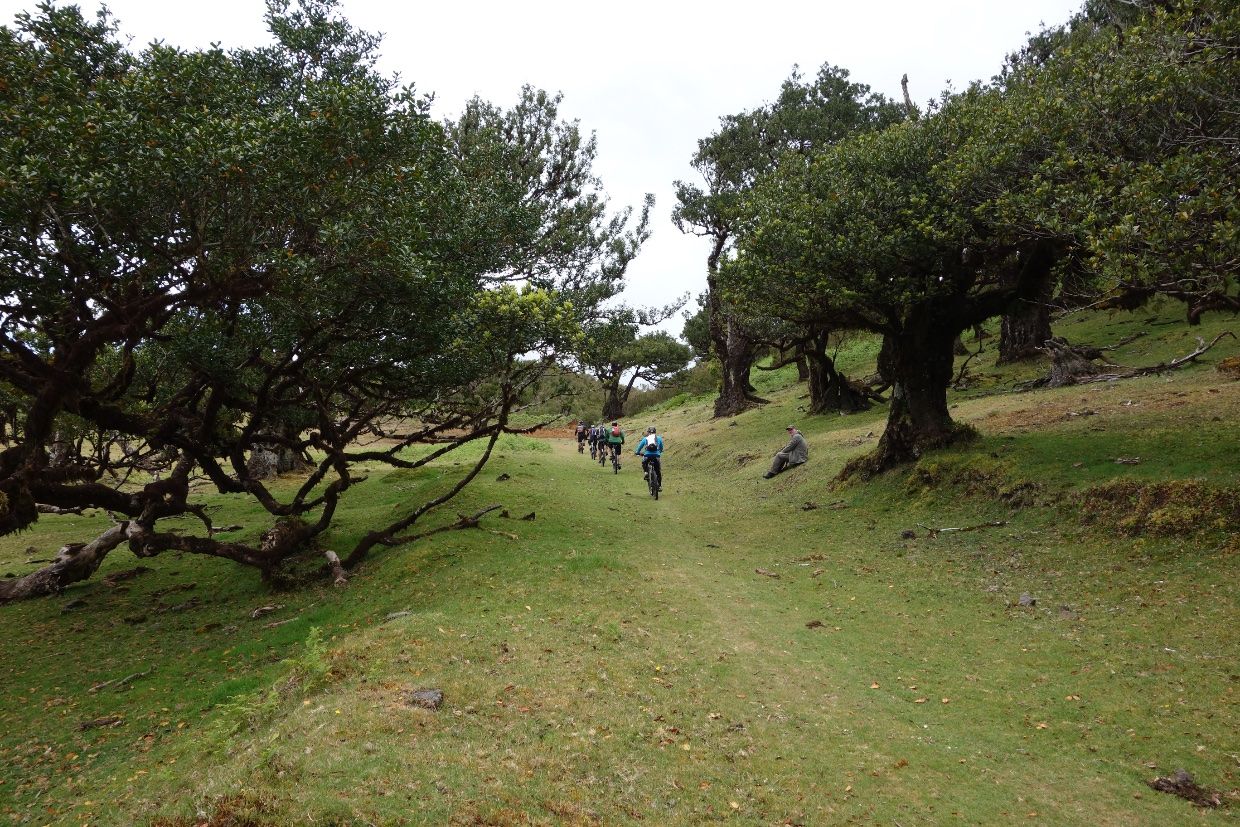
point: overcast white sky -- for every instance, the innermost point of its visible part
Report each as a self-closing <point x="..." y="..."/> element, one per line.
<point x="650" y="78"/>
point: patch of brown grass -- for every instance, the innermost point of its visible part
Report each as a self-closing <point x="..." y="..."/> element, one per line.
<point x="974" y="478"/>
<point x="1162" y="509"/>
<point x="227" y="811"/>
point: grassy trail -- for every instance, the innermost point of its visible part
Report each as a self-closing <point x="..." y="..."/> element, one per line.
<point x="619" y="660"/>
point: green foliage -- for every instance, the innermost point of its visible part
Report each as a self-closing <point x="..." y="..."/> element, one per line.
<point x="807" y="117"/>
<point x="696" y="330"/>
<point x="303" y="674"/>
<point x="619" y="356"/>
<point x="211" y="253"/>
<point x="1115" y="145"/>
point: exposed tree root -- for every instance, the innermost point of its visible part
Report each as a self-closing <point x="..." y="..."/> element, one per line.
<point x="1077" y="364"/>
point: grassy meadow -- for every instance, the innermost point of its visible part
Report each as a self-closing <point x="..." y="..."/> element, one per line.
<point x="744" y="651"/>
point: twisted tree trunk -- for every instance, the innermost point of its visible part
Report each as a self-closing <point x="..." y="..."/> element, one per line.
<point x="74" y="562"/>
<point x="735" y="348"/>
<point x="1027" y="326"/>
<point x="829" y="390"/>
<point x="920" y="363"/>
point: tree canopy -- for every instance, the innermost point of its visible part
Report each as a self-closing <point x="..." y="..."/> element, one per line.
<point x="1110" y="152"/>
<point x="207" y="252"/>
<point x="619" y="355"/>
<point x="806" y="117"/>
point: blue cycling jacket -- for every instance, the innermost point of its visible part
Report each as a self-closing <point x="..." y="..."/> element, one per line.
<point x="651" y="448"/>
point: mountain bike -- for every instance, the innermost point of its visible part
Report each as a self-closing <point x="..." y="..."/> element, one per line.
<point x="581" y="446"/>
<point x="602" y="454"/>
<point x="615" y="459"/>
<point x="655" y="478"/>
<point x="593" y="450"/>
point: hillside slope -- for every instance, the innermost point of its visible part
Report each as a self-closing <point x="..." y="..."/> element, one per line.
<point x="765" y="652"/>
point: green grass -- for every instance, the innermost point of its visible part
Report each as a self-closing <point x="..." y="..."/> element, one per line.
<point x="622" y="660"/>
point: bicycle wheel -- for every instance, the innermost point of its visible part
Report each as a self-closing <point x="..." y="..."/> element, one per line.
<point x="615" y="462"/>
<point x="656" y="482"/>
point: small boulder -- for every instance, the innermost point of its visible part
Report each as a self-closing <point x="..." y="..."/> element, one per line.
<point x="426" y="698"/>
<point x="1027" y="600"/>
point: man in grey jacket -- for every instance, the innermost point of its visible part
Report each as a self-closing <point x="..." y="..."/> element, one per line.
<point x="795" y="453"/>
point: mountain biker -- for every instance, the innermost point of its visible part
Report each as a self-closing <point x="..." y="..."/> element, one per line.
<point x="601" y="443"/>
<point x="615" y="440"/>
<point x="583" y="431"/>
<point x="650" y="449"/>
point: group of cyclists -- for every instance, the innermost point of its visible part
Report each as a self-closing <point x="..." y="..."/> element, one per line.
<point x="607" y="441"/>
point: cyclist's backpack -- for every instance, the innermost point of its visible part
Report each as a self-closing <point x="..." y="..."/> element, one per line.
<point x="615" y="430"/>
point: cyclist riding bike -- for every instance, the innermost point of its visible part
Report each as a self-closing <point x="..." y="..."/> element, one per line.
<point x="582" y="432"/>
<point x="650" y="449"/>
<point x="615" y="441"/>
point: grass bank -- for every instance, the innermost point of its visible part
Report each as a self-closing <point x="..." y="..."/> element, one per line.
<point x="758" y="652"/>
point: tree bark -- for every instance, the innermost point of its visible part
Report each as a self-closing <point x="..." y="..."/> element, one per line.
<point x="1027" y="326"/>
<point x="829" y="390"/>
<point x="270" y="461"/>
<point x="61" y="453"/>
<point x="1024" y="332"/>
<point x="736" y="392"/>
<point x="732" y="345"/>
<point x="920" y="361"/>
<point x="613" y="405"/>
<point x="73" y="563"/>
<point x="802" y="368"/>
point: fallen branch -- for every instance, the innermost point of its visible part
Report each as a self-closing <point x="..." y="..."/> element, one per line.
<point x="462" y="522"/>
<point x="74" y="562"/>
<point x="935" y="532"/>
<point x="1202" y="347"/>
<point x="1071" y="364"/>
<point x="53" y="509"/>
<point x="117" y="683"/>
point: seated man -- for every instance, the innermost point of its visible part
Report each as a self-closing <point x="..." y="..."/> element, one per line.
<point x="795" y="453"/>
